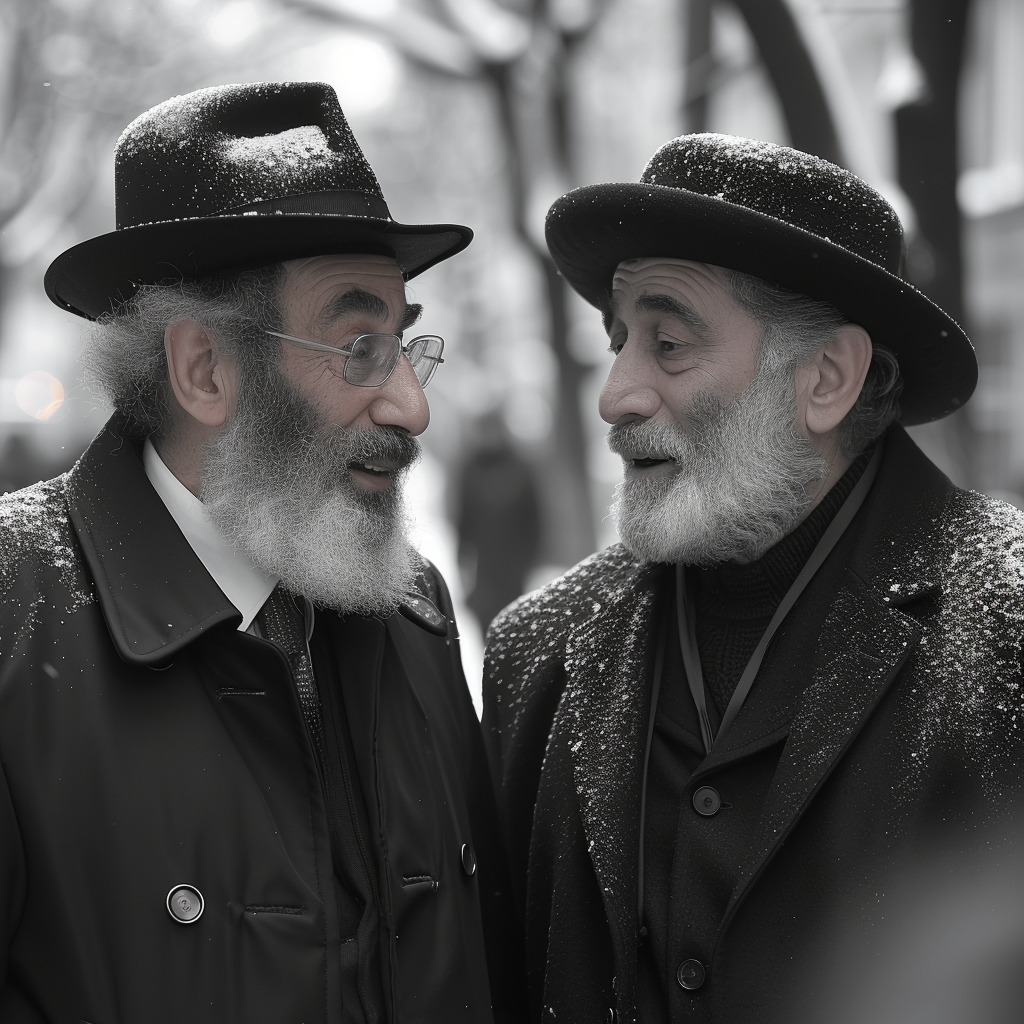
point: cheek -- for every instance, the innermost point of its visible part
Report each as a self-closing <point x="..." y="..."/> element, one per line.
<point x="337" y="402"/>
<point x="678" y="392"/>
<point x="341" y="405"/>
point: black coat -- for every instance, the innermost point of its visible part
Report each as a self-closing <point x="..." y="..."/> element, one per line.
<point x="145" y="742"/>
<point x="884" y="726"/>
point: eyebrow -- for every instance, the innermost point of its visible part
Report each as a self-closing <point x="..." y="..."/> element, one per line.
<point x="366" y="303"/>
<point x="659" y="303"/>
<point x="413" y="311"/>
<point x="355" y="301"/>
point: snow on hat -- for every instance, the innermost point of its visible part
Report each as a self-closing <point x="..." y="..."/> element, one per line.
<point x="787" y="217"/>
<point x="233" y="176"/>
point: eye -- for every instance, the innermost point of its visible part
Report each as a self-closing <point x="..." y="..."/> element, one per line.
<point x="616" y="343"/>
<point x="670" y="347"/>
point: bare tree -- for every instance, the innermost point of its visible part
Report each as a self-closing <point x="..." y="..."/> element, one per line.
<point x="74" y="73"/>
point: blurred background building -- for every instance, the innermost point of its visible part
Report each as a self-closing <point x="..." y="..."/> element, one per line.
<point x="483" y="111"/>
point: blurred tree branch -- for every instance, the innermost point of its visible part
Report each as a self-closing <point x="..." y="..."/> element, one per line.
<point x="77" y="72"/>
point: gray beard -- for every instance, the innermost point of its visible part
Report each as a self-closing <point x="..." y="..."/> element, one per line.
<point x="277" y="484"/>
<point x="740" y="481"/>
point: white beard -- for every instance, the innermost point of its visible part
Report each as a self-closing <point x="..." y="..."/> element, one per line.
<point x="740" y="481"/>
<point x="277" y="484"/>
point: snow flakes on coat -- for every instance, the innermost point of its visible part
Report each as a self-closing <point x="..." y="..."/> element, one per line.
<point x="35" y="532"/>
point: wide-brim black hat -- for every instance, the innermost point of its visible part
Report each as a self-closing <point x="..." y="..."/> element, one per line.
<point x="781" y="215"/>
<point x="236" y="176"/>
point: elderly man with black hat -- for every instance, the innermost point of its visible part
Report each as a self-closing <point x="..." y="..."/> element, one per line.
<point x="242" y="779"/>
<point x="718" y="740"/>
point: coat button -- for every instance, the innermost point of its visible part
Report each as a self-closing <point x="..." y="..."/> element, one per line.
<point x="468" y="859"/>
<point x="706" y="801"/>
<point x="690" y="975"/>
<point x="185" y="904"/>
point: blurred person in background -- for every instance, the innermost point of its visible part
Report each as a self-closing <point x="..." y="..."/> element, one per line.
<point x="719" y="740"/>
<point x="242" y="776"/>
<point x="497" y="519"/>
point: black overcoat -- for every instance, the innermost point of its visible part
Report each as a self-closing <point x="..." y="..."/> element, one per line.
<point x="893" y="694"/>
<point x="145" y="742"/>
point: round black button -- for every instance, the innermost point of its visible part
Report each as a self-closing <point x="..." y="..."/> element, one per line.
<point x="706" y="801"/>
<point x="690" y="975"/>
<point x="468" y="859"/>
<point x="185" y="904"/>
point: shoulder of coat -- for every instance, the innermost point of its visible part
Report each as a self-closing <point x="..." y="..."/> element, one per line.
<point x="35" y="527"/>
<point x="984" y="540"/>
<point x="964" y="693"/>
<point x="40" y="561"/>
<point x="581" y="592"/>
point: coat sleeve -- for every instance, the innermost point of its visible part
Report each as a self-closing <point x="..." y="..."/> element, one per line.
<point x="524" y="676"/>
<point x="503" y="932"/>
<point x="12" y="877"/>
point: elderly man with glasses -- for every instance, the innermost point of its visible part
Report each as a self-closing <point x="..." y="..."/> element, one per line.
<point x="241" y="778"/>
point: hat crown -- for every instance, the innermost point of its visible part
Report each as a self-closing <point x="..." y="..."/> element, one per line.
<point x="791" y="186"/>
<point x="224" y="148"/>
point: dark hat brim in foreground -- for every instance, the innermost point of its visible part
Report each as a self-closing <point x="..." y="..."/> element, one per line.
<point x="95" y="276"/>
<point x="593" y="229"/>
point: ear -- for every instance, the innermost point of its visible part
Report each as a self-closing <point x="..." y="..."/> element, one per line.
<point x="830" y="383"/>
<point x="204" y="382"/>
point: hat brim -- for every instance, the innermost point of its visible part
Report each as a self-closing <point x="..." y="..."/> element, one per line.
<point x="95" y="276"/>
<point x="593" y="229"/>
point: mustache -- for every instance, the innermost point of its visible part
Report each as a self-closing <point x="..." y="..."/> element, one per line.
<point x="653" y="439"/>
<point x="387" y="444"/>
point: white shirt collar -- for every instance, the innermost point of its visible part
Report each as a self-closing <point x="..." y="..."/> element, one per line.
<point x="244" y="584"/>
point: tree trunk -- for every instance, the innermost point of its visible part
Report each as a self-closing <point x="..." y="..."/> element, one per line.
<point x="927" y="143"/>
<point x="793" y="75"/>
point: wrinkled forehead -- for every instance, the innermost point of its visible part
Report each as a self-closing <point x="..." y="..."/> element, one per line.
<point x="686" y="282"/>
<point x="315" y="284"/>
<point x="631" y="272"/>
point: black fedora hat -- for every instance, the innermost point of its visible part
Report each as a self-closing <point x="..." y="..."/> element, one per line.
<point x="233" y="176"/>
<point x="787" y="217"/>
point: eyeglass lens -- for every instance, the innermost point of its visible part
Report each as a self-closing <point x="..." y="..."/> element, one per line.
<point x="371" y="359"/>
<point x="425" y="355"/>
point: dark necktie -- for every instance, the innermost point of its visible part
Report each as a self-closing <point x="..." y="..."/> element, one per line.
<point x="283" y="622"/>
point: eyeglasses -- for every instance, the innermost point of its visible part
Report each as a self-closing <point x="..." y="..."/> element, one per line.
<point x="370" y="359"/>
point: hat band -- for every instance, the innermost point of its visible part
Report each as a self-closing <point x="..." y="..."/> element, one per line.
<point x="339" y="203"/>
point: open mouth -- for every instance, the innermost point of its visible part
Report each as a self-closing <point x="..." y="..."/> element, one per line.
<point x="381" y="467"/>
<point x="373" y="473"/>
<point x="646" y="460"/>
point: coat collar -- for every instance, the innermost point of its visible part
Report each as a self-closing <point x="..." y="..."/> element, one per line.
<point x="155" y="594"/>
<point x="609" y="667"/>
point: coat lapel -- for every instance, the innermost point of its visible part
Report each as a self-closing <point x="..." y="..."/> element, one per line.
<point x="865" y="640"/>
<point x="603" y="717"/>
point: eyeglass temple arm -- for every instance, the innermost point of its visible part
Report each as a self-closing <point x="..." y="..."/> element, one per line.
<point x="310" y="344"/>
<point x="340" y="351"/>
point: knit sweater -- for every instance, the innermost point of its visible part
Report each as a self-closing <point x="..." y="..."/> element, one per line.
<point x="736" y="602"/>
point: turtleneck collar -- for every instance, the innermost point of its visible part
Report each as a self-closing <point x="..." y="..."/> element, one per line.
<point x="753" y="590"/>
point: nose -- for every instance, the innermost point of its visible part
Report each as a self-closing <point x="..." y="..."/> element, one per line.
<point x="400" y="401"/>
<point x="628" y="391"/>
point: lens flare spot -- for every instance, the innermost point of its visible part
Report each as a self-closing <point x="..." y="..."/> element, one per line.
<point x="39" y="394"/>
